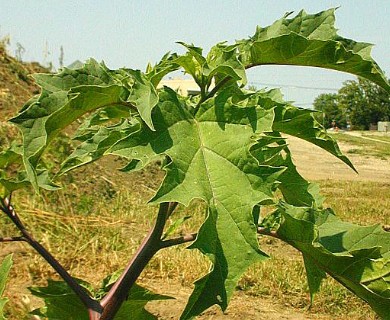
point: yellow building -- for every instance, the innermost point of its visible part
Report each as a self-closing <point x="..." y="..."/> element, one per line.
<point x="184" y="87"/>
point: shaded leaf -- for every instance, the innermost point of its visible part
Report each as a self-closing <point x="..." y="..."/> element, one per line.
<point x="161" y="69"/>
<point x="194" y="63"/>
<point x="143" y="96"/>
<point x="42" y="120"/>
<point x="357" y="257"/>
<point x="134" y="306"/>
<point x="222" y="61"/>
<point x="314" y="276"/>
<point x="5" y="268"/>
<point x="61" y="303"/>
<point x="13" y="155"/>
<point x="22" y="181"/>
<point x="104" y="116"/>
<point x="174" y="226"/>
<point x="273" y="150"/>
<point x="94" y="147"/>
<point x="300" y="123"/>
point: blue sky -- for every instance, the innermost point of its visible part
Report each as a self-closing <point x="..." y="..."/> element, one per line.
<point x="133" y="33"/>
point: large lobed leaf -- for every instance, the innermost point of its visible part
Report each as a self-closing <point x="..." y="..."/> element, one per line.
<point x="311" y="40"/>
<point x="69" y="95"/>
<point x="210" y="159"/>
<point x="358" y="257"/>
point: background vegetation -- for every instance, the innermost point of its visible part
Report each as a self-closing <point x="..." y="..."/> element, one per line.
<point x="358" y="103"/>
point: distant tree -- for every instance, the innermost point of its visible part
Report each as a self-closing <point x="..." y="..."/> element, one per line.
<point x="252" y="87"/>
<point x="328" y="104"/>
<point x="61" y="58"/>
<point x="20" y="50"/>
<point x="365" y="103"/>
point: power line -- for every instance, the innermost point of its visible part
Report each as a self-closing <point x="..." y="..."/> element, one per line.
<point x="293" y="86"/>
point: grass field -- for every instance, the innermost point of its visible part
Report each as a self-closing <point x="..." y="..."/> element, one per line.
<point x="367" y="143"/>
<point x="93" y="227"/>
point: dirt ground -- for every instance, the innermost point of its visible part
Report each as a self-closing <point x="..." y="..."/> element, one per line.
<point x="242" y="307"/>
<point x="316" y="164"/>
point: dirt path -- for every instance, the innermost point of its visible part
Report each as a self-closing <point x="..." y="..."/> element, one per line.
<point x="241" y="307"/>
<point x="316" y="164"/>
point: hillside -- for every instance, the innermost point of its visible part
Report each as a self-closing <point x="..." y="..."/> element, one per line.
<point x="16" y="84"/>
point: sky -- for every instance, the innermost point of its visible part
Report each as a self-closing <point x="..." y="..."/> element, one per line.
<point x="133" y="33"/>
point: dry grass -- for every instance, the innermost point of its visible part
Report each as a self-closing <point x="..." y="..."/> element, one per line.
<point x="366" y="143"/>
<point x="283" y="277"/>
<point x="94" y="232"/>
<point x="95" y="224"/>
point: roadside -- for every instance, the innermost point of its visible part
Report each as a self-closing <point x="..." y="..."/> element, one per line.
<point x="363" y="135"/>
<point x="316" y="164"/>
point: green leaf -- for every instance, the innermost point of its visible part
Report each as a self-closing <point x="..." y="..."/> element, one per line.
<point x="5" y="268"/>
<point x="13" y="155"/>
<point x="221" y="240"/>
<point x="299" y="122"/>
<point x="222" y="61"/>
<point x="311" y="40"/>
<point x="273" y="150"/>
<point x="61" y="303"/>
<point x="174" y="226"/>
<point x="94" y="147"/>
<point x="193" y="63"/>
<point x="357" y="257"/>
<point x="161" y="69"/>
<point x="208" y="152"/>
<point x="56" y="108"/>
<point x="134" y="306"/>
<point x="314" y="276"/>
<point x="21" y="181"/>
<point x="143" y="96"/>
<point x="91" y="73"/>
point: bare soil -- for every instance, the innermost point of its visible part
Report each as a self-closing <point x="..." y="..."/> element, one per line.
<point x="242" y="307"/>
<point x="316" y="164"/>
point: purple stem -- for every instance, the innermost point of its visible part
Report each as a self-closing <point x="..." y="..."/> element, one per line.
<point x="91" y="304"/>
